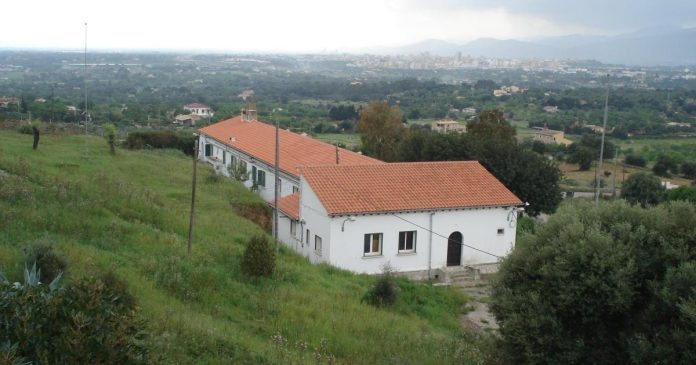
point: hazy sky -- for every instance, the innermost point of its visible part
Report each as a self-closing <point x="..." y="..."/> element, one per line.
<point x="318" y="26"/>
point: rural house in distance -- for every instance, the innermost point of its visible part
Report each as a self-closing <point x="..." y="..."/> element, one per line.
<point x="358" y="213"/>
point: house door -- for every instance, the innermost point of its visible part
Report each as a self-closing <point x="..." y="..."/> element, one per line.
<point x="454" y="249"/>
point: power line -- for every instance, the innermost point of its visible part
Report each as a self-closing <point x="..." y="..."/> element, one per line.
<point x="438" y="234"/>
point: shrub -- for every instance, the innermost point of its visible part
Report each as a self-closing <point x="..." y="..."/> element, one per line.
<point x="161" y="139"/>
<point x="635" y="160"/>
<point x="259" y="257"/>
<point x="92" y="321"/>
<point x="50" y="264"/>
<point x="384" y="290"/>
<point x="25" y="129"/>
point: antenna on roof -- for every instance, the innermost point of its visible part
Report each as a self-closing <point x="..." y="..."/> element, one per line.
<point x="337" y="159"/>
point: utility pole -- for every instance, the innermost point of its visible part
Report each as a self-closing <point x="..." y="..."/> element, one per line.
<point x="616" y="164"/>
<point x="277" y="185"/>
<point x="84" y="86"/>
<point x="601" y="148"/>
<point x="193" y="193"/>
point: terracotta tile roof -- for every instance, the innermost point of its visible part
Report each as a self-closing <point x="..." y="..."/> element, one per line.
<point x="400" y="187"/>
<point x="289" y="205"/>
<point x="257" y="139"/>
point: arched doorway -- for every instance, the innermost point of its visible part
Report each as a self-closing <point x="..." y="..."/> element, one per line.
<point x="454" y="249"/>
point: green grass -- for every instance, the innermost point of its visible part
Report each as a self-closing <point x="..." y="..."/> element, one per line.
<point x="129" y="214"/>
<point x="349" y="140"/>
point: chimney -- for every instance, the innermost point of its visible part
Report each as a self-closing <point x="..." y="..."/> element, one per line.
<point x="249" y="113"/>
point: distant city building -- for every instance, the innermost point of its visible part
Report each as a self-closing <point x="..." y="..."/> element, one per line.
<point x="550" y="136"/>
<point x="448" y="126"/>
<point x="199" y="109"/>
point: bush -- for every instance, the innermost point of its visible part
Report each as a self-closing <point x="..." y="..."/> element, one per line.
<point x="92" y="321"/>
<point x="161" y="139"/>
<point x="259" y="257"/>
<point x="50" y="264"/>
<point x="601" y="285"/>
<point x="383" y="291"/>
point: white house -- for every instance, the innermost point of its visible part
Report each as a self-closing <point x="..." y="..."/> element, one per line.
<point x="422" y="218"/>
<point x="248" y="142"/>
<point x="199" y="109"/>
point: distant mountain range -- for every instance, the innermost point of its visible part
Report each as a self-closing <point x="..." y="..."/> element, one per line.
<point x="666" y="46"/>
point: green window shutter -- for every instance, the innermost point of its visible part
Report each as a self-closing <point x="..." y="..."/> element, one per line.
<point x="253" y="174"/>
<point x="366" y="247"/>
<point x="208" y="149"/>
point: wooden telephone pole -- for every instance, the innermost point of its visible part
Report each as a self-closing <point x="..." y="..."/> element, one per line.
<point x="193" y="194"/>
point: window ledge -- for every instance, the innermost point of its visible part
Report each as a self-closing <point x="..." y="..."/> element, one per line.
<point x="406" y="253"/>
<point x="372" y="256"/>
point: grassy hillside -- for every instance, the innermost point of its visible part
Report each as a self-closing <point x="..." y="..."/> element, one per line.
<point x="129" y="214"/>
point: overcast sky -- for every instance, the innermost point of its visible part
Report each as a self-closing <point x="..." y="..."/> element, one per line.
<point x="316" y="25"/>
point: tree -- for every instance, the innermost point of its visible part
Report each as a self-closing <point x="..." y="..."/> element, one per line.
<point x="110" y="134"/>
<point x="664" y="165"/>
<point x="491" y="124"/>
<point x="380" y="130"/>
<point x="601" y="285"/>
<point x="635" y="160"/>
<point x="688" y="169"/>
<point x="641" y="188"/>
<point x="583" y="156"/>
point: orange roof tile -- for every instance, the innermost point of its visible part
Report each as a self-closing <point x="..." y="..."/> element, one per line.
<point x="257" y="139"/>
<point x="290" y="205"/>
<point x="413" y="186"/>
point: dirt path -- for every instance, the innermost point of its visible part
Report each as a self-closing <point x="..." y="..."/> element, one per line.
<point x="479" y="319"/>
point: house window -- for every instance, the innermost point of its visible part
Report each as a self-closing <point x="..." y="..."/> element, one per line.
<point x="295" y="189"/>
<point x="261" y="178"/>
<point x="307" y="237"/>
<point x="224" y="158"/>
<point x="373" y="244"/>
<point x="293" y="228"/>
<point x="501" y="231"/>
<point x="258" y="176"/>
<point x="208" y="150"/>
<point x="407" y="241"/>
<point x="317" y="244"/>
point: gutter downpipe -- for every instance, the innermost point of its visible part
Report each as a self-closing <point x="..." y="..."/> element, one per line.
<point x="430" y="246"/>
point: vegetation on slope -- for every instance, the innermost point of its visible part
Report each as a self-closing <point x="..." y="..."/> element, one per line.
<point x="128" y="214"/>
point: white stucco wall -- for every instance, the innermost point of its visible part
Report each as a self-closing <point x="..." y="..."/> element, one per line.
<point x="265" y="192"/>
<point x="316" y="219"/>
<point x="479" y="228"/>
